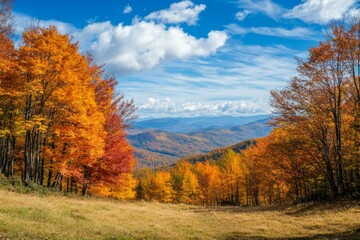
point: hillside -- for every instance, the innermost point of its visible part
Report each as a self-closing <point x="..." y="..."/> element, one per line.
<point x="58" y="217"/>
<point x="226" y="137"/>
<point x="166" y="148"/>
<point x="219" y="153"/>
<point x="152" y="159"/>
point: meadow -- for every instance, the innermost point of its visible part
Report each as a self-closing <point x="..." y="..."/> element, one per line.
<point x="54" y="216"/>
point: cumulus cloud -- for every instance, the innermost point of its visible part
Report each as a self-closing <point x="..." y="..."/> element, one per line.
<point x="181" y="12"/>
<point x="266" y="7"/>
<point x="130" y="48"/>
<point x="321" y="11"/>
<point x="127" y="9"/>
<point x="156" y="107"/>
<point x="144" y="45"/>
<point x="297" y="32"/>
<point x="240" y="16"/>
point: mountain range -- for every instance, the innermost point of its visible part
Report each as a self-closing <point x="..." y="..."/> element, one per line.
<point x="188" y="125"/>
<point x="160" y="142"/>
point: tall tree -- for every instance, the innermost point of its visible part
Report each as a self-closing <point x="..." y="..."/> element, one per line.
<point x="9" y="97"/>
<point x="317" y="100"/>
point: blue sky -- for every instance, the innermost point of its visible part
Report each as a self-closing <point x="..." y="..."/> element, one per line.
<point x="193" y="58"/>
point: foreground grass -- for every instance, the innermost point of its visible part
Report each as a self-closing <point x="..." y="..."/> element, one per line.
<point x="24" y="216"/>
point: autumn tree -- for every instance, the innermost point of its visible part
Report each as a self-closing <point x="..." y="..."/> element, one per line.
<point x="185" y="183"/>
<point x="61" y="119"/>
<point x="9" y="103"/>
<point x="231" y="177"/>
<point x="209" y="182"/>
<point x="59" y="103"/>
<point x="116" y="165"/>
<point x="352" y="62"/>
<point x="322" y="101"/>
<point x="65" y="113"/>
<point x="9" y="95"/>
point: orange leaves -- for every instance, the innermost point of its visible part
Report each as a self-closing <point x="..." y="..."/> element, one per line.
<point x="186" y="184"/>
<point x="319" y="112"/>
<point x="59" y="91"/>
<point x="321" y="53"/>
<point x="117" y="160"/>
<point x="209" y="181"/>
<point x="67" y="114"/>
<point x="159" y="187"/>
<point x="203" y="183"/>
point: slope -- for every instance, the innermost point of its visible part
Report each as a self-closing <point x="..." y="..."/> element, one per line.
<point x="58" y="217"/>
<point x="218" y="153"/>
<point x="166" y="148"/>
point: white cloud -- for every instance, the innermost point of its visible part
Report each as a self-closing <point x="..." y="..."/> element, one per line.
<point x="235" y="81"/>
<point x="297" y="32"/>
<point x="266" y="7"/>
<point x="236" y="74"/>
<point x="181" y="12"/>
<point x="130" y="48"/>
<point x="127" y="9"/>
<point x="154" y="107"/>
<point x="240" y="16"/>
<point x="23" y="21"/>
<point x="144" y="45"/>
<point x="235" y="29"/>
<point x="321" y="11"/>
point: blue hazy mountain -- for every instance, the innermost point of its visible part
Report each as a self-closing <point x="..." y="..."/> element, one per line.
<point x="187" y="125"/>
<point x="156" y="147"/>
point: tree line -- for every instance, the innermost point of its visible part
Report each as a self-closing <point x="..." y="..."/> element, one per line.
<point x="62" y="124"/>
<point x="312" y="153"/>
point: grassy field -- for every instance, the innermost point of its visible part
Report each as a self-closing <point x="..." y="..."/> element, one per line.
<point x="26" y="216"/>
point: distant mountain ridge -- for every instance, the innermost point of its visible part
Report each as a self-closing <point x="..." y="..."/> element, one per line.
<point x="187" y="125"/>
<point x="154" y="148"/>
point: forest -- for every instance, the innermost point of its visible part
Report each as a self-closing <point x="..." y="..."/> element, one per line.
<point x="313" y="153"/>
<point x="63" y="126"/>
<point x="62" y="122"/>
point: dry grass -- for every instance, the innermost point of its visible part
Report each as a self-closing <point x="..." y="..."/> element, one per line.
<point x="55" y="217"/>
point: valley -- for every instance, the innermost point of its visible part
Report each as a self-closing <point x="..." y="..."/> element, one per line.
<point x="164" y="141"/>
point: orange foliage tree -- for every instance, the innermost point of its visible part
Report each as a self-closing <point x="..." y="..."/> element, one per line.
<point x="62" y="123"/>
<point x="314" y="150"/>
